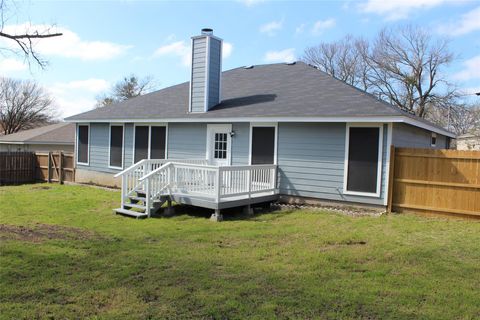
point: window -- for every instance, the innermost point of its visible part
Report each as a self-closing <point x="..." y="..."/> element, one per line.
<point x="141" y="143"/>
<point x="150" y="142"/>
<point x="434" y="139"/>
<point x="263" y="145"/>
<point x="220" y="151"/>
<point x="116" y="146"/>
<point x="82" y="144"/>
<point x="363" y="157"/>
<point x="158" y="142"/>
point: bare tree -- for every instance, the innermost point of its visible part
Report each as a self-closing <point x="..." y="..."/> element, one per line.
<point x="342" y="59"/>
<point x="406" y="69"/>
<point x="402" y="66"/>
<point x="23" y="105"/>
<point x="25" y="40"/>
<point x="129" y="87"/>
<point x="457" y="117"/>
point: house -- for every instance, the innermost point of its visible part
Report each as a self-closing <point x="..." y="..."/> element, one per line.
<point x="54" y="137"/>
<point x="469" y="141"/>
<point x="247" y="135"/>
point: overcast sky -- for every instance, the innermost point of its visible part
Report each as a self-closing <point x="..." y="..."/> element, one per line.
<point x="104" y="41"/>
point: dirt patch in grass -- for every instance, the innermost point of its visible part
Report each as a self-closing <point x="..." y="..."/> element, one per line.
<point x="41" y="187"/>
<point x="43" y="232"/>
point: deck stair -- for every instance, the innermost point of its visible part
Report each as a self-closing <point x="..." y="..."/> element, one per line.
<point x="136" y="207"/>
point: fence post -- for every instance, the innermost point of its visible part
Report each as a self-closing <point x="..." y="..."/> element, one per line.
<point x="34" y="166"/>
<point x="49" y="177"/>
<point x="60" y="172"/>
<point x="391" y="177"/>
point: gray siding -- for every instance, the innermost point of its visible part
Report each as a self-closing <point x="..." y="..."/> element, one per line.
<point x="311" y="161"/>
<point x="99" y="148"/>
<point x="310" y="156"/>
<point x="128" y="145"/>
<point x="214" y="73"/>
<point x="187" y="140"/>
<point x="199" y="60"/>
<point x="240" y="144"/>
<point x="203" y="79"/>
<point x="407" y="136"/>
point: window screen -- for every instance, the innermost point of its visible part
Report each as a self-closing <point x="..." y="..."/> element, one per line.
<point x="263" y="145"/>
<point x="158" y="143"/>
<point x="116" y="146"/>
<point x="141" y="143"/>
<point x="363" y="159"/>
<point x="82" y="144"/>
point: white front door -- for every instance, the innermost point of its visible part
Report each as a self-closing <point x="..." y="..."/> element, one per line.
<point x="219" y="144"/>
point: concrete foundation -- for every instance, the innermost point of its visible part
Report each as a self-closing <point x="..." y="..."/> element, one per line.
<point x="97" y="178"/>
<point x="328" y="203"/>
<point x="216" y="216"/>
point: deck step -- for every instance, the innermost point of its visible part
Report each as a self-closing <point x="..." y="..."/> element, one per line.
<point x="134" y="205"/>
<point x="130" y="213"/>
<point x="137" y="198"/>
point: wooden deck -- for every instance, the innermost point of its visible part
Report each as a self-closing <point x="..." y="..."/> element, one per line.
<point x="150" y="183"/>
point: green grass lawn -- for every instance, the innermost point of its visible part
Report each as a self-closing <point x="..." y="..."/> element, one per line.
<point x="63" y="254"/>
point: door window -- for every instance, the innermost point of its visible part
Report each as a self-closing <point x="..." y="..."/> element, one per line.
<point x="220" y="151"/>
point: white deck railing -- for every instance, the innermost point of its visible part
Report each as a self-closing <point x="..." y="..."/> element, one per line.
<point x="210" y="182"/>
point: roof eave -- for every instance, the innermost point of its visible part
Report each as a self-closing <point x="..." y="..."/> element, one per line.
<point x="383" y="119"/>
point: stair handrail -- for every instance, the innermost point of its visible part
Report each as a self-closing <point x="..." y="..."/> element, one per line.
<point x="132" y="167"/>
<point x="148" y="175"/>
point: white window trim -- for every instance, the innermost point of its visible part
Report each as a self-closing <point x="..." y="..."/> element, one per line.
<point x="110" y="143"/>
<point x="150" y="125"/>
<point x="263" y="124"/>
<point x="433" y="135"/>
<point x="387" y="159"/>
<point x="210" y="129"/>
<point x="379" y="164"/>
<point x="88" y="146"/>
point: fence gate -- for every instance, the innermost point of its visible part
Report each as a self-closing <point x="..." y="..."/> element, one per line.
<point x="435" y="182"/>
<point x="55" y="166"/>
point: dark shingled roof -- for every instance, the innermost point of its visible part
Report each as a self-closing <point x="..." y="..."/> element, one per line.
<point x="272" y="90"/>
<point x="59" y="133"/>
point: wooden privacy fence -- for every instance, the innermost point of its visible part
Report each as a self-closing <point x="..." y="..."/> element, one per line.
<point x="435" y="181"/>
<point x="17" y="167"/>
<point x="24" y="167"/>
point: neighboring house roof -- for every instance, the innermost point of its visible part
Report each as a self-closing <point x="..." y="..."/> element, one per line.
<point x="469" y="136"/>
<point x="265" y="91"/>
<point x="59" y="133"/>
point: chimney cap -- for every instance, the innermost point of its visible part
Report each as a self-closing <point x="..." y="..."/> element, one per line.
<point x="207" y="31"/>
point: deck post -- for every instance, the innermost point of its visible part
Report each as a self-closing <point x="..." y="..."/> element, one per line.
<point x="219" y="184"/>
<point x="248" y="210"/>
<point x="216" y="216"/>
<point x="147" y="197"/>
<point x="124" y="188"/>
